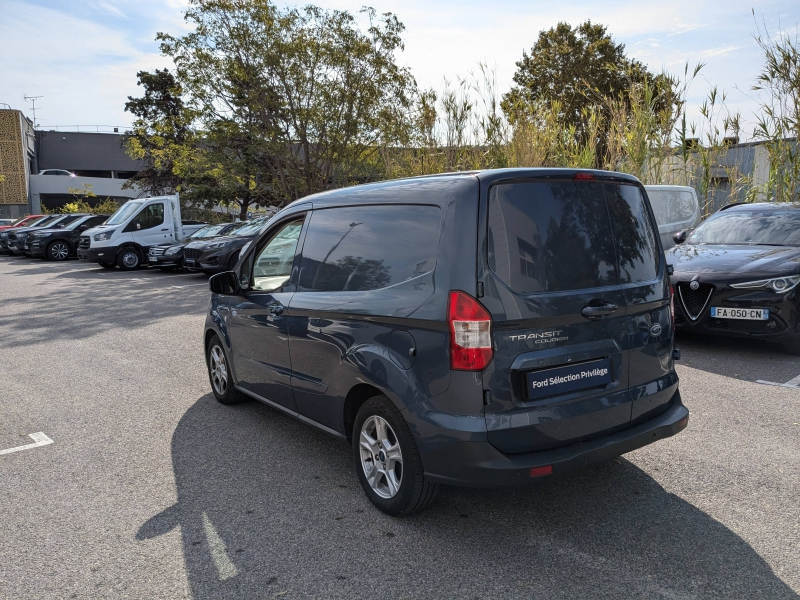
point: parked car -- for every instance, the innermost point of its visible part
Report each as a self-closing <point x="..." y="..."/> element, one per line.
<point x="676" y="208"/>
<point x="479" y="329"/>
<point x="60" y="243"/>
<point x="737" y="274"/>
<point x="23" y="222"/>
<point x="62" y="172"/>
<point x="127" y="235"/>
<point x="15" y="238"/>
<point x="221" y="254"/>
<point x="170" y="255"/>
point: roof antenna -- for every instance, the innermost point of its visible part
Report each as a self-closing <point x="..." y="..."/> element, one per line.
<point x="32" y="100"/>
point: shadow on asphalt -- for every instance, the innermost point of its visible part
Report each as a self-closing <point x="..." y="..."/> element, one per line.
<point x="79" y="309"/>
<point x="268" y="505"/>
<point x="748" y="359"/>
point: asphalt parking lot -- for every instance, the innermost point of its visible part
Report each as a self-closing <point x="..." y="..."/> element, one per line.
<point x="151" y="489"/>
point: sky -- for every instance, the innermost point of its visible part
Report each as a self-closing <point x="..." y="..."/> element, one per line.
<point x="82" y="56"/>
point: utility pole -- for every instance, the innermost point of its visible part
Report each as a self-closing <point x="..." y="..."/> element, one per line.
<point x="32" y="100"/>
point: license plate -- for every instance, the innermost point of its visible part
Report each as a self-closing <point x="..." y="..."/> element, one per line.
<point x="189" y="261"/>
<point x="152" y="259"/>
<point x="744" y="314"/>
<point x="570" y="378"/>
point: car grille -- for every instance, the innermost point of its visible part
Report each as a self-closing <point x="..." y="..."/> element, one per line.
<point x="84" y="243"/>
<point x="694" y="301"/>
<point x="157" y="251"/>
<point x="193" y="253"/>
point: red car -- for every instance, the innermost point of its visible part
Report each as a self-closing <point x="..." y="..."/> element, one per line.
<point x="23" y="222"/>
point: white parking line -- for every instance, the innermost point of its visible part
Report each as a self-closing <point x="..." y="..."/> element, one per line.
<point x="792" y="383"/>
<point x="39" y="439"/>
<point x="219" y="554"/>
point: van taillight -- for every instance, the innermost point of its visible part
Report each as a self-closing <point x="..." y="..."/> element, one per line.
<point x="672" y="304"/>
<point x="470" y="333"/>
<point x="584" y="176"/>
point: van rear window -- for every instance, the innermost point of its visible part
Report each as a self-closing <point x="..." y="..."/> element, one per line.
<point x="554" y="236"/>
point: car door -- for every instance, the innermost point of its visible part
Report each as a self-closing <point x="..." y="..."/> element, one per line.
<point x="259" y="318"/>
<point x="560" y="369"/>
<point x="149" y="227"/>
<point x="642" y="272"/>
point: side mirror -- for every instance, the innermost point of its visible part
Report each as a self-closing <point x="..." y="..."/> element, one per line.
<point x="224" y="283"/>
<point x="680" y="237"/>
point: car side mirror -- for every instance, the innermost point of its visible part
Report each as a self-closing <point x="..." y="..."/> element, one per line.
<point x="680" y="237"/>
<point x="224" y="283"/>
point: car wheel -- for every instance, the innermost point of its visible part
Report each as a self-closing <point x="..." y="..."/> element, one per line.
<point x="129" y="259"/>
<point x="387" y="460"/>
<point x="58" y="251"/>
<point x="106" y="265"/>
<point x="219" y="374"/>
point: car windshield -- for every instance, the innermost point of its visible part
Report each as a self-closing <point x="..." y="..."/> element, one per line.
<point x="209" y="231"/>
<point x="124" y="213"/>
<point x="249" y="228"/>
<point x="756" y="227"/>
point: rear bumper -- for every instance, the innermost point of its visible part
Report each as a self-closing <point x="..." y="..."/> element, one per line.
<point x="479" y="464"/>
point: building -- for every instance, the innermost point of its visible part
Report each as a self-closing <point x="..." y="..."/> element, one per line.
<point x="96" y="159"/>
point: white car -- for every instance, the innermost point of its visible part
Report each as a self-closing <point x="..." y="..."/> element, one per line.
<point x="676" y="209"/>
<point x="62" y="172"/>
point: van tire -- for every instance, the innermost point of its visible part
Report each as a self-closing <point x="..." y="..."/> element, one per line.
<point x="216" y="355"/>
<point x="415" y="492"/>
<point x="129" y="259"/>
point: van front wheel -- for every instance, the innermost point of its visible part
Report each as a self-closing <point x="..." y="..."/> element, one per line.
<point x="387" y="460"/>
<point x="129" y="259"/>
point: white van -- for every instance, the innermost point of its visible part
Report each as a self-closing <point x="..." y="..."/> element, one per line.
<point x="127" y="235"/>
<point x="676" y="209"/>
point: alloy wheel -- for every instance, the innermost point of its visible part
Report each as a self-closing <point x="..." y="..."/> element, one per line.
<point x="381" y="457"/>
<point x="219" y="370"/>
<point x="59" y="251"/>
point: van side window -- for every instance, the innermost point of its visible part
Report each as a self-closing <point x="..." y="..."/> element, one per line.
<point x="634" y="233"/>
<point x="273" y="265"/>
<point x="368" y="247"/>
<point x="150" y="216"/>
<point x="550" y="236"/>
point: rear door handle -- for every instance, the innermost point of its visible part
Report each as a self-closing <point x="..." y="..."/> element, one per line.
<point x="598" y="313"/>
<point x="167" y="229"/>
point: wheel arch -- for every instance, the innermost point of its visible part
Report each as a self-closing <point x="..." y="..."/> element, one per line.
<point x="355" y="398"/>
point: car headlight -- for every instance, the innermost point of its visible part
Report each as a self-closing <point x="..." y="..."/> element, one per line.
<point x="106" y="235"/>
<point x="172" y="250"/>
<point x="218" y="245"/>
<point x="39" y="235"/>
<point x="3" y="236"/>
<point x="779" y="284"/>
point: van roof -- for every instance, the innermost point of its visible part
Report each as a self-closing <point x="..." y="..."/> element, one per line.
<point x="408" y="189"/>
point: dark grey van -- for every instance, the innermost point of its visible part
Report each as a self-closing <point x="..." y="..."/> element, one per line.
<point x="480" y="329"/>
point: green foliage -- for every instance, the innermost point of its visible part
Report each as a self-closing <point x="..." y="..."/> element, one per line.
<point x="79" y="206"/>
<point x="287" y="102"/>
<point x="106" y="207"/>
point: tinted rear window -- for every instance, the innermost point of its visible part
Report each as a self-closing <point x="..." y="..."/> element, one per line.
<point x="672" y="206"/>
<point x="369" y="247"/>
<point x="550" y="236"/>
<point x="634" y="233"/>
<point x="561" y="236"/>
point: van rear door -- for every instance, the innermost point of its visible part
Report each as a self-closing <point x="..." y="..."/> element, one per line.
<point x="642" y="272"/>
<point x="560" y="371"/>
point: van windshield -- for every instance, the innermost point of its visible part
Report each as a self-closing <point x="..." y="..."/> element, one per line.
<point x="555" y="236"/>
<point x="124" y="213"/>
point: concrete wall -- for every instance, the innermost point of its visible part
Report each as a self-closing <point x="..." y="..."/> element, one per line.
<point x="57" y="188"/>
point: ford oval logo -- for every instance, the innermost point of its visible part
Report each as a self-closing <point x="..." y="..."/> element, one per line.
<point x="655" y="330"/>
<point x="694" y="285"/>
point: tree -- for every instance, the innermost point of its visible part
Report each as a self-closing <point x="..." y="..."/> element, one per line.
<point x="576" y="70"/>
<point x="289" y="101"/>
<point x="161" y="130"/>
